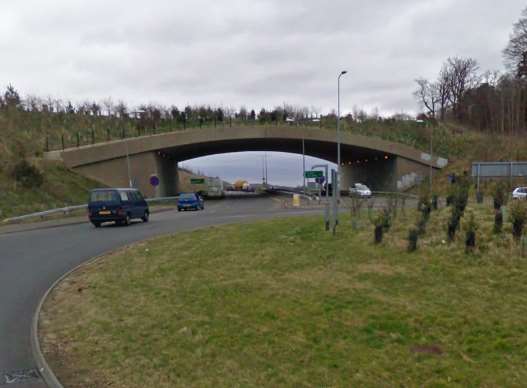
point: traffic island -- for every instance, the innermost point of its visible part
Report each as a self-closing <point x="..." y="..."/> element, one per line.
<point x="283" y="303"/>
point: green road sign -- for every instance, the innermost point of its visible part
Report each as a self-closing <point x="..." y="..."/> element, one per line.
<point x="314" y="174"/>
<point x="197" y="181"/>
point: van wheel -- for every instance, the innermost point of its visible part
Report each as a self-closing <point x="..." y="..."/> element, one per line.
<point x="96" y="224"/>
<point x="145" y="218"/>
<point x="126" y="221"/>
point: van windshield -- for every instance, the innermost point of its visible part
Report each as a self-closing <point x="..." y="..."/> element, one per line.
<point x="104" y="196"/>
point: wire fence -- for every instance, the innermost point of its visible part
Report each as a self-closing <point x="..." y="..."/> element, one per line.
<point x="93" y="135"/>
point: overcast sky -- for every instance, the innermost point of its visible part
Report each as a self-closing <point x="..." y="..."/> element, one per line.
<point x="252" y="52"/>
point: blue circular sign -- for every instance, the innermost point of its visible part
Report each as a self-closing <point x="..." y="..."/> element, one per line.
<point x="154" y="180"/>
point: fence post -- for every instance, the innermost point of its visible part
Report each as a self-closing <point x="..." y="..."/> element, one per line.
<point x="78" y="139"/>
<point x="47" y="143"/>
<point x="62" y="141"/>
<point x="107" y="134"/>
<point x="92" y="136"/>
<point x="230" y="122"/>
<point x="214" y="122"/>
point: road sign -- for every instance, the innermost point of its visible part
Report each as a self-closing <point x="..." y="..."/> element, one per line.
<point x="296" y="200"/>
<point x="197" y="181"/>
<point x="314" y="174"/>
<point x="154" y="180"/>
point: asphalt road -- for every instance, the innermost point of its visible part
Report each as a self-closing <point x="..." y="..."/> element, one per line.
<point x="30" y="261"/>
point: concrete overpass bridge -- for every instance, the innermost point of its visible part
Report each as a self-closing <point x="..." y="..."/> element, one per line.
<point x="381" y="164"/>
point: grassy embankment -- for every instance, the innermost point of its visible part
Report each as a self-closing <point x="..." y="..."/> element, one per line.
<point x="24" y="134"/>
<point x="282" y="303"/>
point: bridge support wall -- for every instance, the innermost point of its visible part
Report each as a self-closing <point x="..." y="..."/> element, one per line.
<point x="114" y="173"/>
<point x="393" y="174"/>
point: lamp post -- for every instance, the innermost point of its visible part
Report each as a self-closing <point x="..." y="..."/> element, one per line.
<point x="431" y="155"/>
<point x="338" y="141"/>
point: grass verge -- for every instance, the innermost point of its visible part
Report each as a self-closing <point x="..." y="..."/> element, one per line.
<point x="282" y="303"/>
<point x="61" y="187"/>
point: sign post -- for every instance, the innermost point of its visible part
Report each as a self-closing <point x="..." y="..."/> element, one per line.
<point x="326" y="179"/>
<point x="154" y="182"/>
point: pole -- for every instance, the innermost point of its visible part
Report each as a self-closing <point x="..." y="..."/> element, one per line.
<point x="263" y="170"/>
<point x="334" y="213"/>
<point x="326" y="179"/>
<point x="128" y="164"/>
<point x="479" y="171"/>
<point x="304" y="163"/>
<point x="338" y="140"/>
<point x="266" y="176"/>
<point x="431" y="157"/>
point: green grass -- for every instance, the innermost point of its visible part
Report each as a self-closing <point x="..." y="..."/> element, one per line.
<point x="61" y="187"/>
<point x="282" y="303"/>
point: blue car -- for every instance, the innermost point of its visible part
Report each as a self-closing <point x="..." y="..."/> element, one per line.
<point x="190" y="201"/>
<point x="117" y="205"/>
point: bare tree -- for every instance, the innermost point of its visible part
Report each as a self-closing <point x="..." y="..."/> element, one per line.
<point x="515" y="51"/>
<point x="108" y="106"/>
<point x="11" y="96"/>
<point x="461" y="75"/>
<point x="427" y="95"/>
<point x="121" y="109"/>
<point x="443" y="91"/>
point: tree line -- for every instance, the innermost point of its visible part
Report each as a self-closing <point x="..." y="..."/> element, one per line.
<point x="488" y="101"/>
<point x="150" y="115"/>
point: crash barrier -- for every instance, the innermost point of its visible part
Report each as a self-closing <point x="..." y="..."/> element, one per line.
<point x="69" y="209"/>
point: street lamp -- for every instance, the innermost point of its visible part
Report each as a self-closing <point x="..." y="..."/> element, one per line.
<point x="338" y="141"/>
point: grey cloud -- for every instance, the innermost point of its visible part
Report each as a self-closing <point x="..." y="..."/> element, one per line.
<point x="256" y="53"/>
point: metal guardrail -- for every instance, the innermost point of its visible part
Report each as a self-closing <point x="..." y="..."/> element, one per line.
<point x="68" y="209"/>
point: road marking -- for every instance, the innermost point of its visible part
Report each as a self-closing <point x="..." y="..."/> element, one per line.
<point x="19" y="376"/>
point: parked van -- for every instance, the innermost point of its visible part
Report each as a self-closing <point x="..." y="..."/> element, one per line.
<point x="117" y="205"/>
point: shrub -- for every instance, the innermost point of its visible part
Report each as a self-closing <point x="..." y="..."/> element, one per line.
<point x="498" y="196"/>
<point x="462" y="198"/>
<point x="356" y="205"/>
<point x="518" y="217"/>
<point x="479" y="197"/>
<point x="378" y="233"/>
<point x="379" y="223"/>
<point x="498" y="221"/>
<point x="435" y="200"/>
<point x="450" y="199"/>
<point x="413" y="236"/>
<point x="470" y="236"/>
<point x="421" y="225"/>
<point x="453" y="223"/>
<point x="27" y="175"/>
<point x="386" y="219"/>
<point x="424" y="205"/>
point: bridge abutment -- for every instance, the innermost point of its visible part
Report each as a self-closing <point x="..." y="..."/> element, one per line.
<point x="138" y="168"/>
<point x="390" y="173"/>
